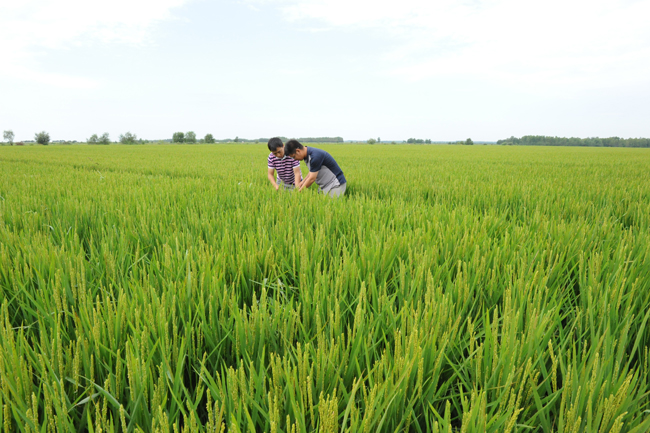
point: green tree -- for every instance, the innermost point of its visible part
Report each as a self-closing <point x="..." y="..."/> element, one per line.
<point x="208" y="138"/>
<point x="8" y="136"/>
<point x="93" y="139"/>
<point x="378" y="139"/>
<point x="128" y="138"/>
<point x="190" y="137"/>
<point x="237" y="139"/>
<point x="178" y="137"/>
<point x="371" y="141"/>
<point x="541" y="140"/>
<point x="42" y="138"/>
<point x="104" y="139"/>
<point x="469" y="141"/>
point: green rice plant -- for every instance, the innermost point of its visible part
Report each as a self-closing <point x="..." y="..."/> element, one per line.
<point x="454" y="289"/>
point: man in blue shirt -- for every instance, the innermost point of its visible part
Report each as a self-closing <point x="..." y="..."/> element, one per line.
<point x="323" y="169"/>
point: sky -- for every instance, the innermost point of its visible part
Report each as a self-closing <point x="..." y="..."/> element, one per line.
<point x="438" y="69"/>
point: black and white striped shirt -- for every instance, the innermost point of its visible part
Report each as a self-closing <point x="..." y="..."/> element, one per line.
<point x="284" y="167"/>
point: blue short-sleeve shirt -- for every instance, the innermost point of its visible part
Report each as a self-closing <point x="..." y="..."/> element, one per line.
<point x="330" y="174"/>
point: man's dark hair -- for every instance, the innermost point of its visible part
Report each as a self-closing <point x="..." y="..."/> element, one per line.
<point x="291" y="146"/>
<point x="274" y="144"/>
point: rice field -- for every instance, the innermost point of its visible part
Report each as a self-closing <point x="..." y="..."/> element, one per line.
<point x="454" y="289"/>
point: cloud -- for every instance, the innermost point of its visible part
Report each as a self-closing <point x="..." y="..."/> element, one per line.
<point x="580" y="43"/>
<point x="28" y="27"/>
<point x="50" y="78"/>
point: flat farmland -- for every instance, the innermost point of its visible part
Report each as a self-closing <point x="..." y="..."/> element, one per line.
<point x="164" y="288"/>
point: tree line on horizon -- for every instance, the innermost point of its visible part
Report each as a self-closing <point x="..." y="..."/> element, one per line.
<point x="543" y="140"/>
<point x="40" y="138"/>
<point x="190" y="137"/>
<point x="284" y="140"/>
<point x="43" y="138"/>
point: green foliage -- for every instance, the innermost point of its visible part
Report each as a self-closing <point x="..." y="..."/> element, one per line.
<point x="208" y="139"/>
<point x="285" y="139"/>
<point x="42" y="138"/>
<point x="190" y="137"/>
<point x="316" y="139"/>
<point x="178" y="137"/>
<point x="104" y="139"/>
<point x="505" y="290"/>
<point x="371" y="141"/>
<point x="8" y="136"/>
<point x="128" y="138"/>
<point x="541" y="140"/>
<point x="418" y="141"/>
<point x="94" y="139"/>
<point x="468" y="142"/>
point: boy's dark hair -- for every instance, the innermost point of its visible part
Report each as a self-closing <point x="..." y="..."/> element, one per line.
<point x="274" y="144"/>
<point x="291" y="146"/>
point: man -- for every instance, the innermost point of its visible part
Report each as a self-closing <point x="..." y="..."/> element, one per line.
<point x="323" y="169"/>
<point x="288" y="169"/>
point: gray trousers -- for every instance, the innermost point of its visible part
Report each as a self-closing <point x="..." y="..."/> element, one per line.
<point x="337" y="191"/>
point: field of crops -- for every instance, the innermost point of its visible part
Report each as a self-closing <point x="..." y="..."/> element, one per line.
<point x="455" y="288"/>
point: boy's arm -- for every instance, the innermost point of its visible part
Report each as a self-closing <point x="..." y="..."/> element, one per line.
<point x="311" y="178"/>
<point x="271" y="177"/>
<point x="297" y="175"/>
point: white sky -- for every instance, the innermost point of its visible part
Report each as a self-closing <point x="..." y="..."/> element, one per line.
<point x="444" y="70"/>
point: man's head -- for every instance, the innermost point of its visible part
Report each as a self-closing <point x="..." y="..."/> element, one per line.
<point x="276" y="147"/>
<point x="295" y="150"/>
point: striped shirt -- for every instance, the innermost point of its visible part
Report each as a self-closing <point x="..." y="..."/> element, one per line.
<point x="284" y="167"/>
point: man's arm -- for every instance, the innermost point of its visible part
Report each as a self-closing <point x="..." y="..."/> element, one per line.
<point x="315" y="164"/>
<point x="271" y="177"/>
<point x="297" y="175"/>
<point x="311" y="178"/>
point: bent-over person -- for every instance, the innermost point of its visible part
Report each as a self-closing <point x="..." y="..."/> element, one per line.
<point x="288" y="171"/>
<point x="323" y="169"/>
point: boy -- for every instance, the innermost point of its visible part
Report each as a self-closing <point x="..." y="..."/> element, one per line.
<point x="288" y="169"/>
<point x="323" y="169"/>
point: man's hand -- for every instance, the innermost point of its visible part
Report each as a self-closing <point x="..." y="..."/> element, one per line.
<point x="311" y="178"/>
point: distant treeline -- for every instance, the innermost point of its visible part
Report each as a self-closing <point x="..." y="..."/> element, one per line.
<point x="542" y="140"/>
<point x="284" y="140"/>
<point x="305" y="139"/>
<point x="190" y="137"/>
<point x="320" y="139"/>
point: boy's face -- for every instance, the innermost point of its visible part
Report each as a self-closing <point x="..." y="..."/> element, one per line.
<point x="279" y="152"/>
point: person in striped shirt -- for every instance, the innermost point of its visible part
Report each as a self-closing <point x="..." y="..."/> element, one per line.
<point x="288" y="169"/>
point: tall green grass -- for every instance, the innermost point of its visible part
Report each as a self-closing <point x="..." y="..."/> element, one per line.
<point x="171" y="289"/>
